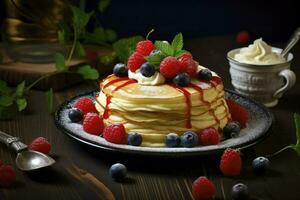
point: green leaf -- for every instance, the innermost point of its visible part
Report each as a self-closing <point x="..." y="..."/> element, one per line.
<point x="20" y="89"/>
<point x="98" y="36"/>
<point x="103" y="4"/>
<point x="49" y="98"/>
<point x="80" y="18"/>
<point x="177" y="43"/>
<point x="61" y="37"/>
<point x="60" y="62"/>
<point x="4" y="89"/>
<point x="111" y="35"/>
<point x="64" y="33"/>
<point x="154" y="59"/>
<point x="164" y="47"/>
<point x="87" y="72"/>
<point x="6" y="100"/>
<point x="21" y="103"/>
<point x="107" y="59"/>
<point x="8" y="112"/>
<point x="125" y="47"/>
<point x="80" y="51"/>
<point x="179" y="53"/>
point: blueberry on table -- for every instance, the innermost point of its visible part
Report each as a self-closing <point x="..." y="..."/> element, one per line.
<point x="172" y="140"/>
<point x="118" y="171"/>
<point x="120" y="70"/>
<point x="232" y="129"/>
<point x="240" y="192"/>
<point x="134" y="139"/>
<point x="182" y="79"/>
<point x="260" y="165"/>
<point x="205" y="74"/>
<point x="75" y="115"/>
<point x="147" y="70"/>
<point x="189" y="139"/>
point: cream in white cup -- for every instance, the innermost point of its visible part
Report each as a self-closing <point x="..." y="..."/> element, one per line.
<point x="263" y="82"/>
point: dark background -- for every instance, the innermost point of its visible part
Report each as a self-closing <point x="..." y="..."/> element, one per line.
<point x="272" y="20"/>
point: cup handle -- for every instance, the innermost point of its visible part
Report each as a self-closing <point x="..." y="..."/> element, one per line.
<point x="290" y="78"/>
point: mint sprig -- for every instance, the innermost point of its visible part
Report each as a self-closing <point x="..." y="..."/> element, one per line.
<point x="155" y="59"/>
<point x="173" y="49"/>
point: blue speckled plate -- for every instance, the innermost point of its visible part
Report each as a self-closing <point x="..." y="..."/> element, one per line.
<point x="260" y="121"/>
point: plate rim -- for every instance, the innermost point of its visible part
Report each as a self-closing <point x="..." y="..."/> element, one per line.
<point x="263" y="136"/>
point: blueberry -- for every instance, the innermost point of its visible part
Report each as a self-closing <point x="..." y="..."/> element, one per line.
<point x="155" y="52"/>
<point x="189" y="139"/>
<point x="75" y="115"/>
<point x="239" y="192"/>
<point x="120" y="70"/>
<point x="260" y="165"/>
<point x="232" y="129"/>
<point x="118" y="171"/>
<point x="134" y="139"/>
<point x="172" y="140"/>
<point x="182" y="79"/>
<point x="205" y="74"/>
<point x="147" y="70"/>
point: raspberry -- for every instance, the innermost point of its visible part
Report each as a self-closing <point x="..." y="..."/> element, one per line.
<point x="135" y="61"/>
<point x="93" y="124"/>
<point x="243" y="37"/>
<point x="145" y="47"/>
<point x="86" y="105"/>
<point x="169" y="67"/>
<point x="231" y="162"/>
<point x="238" y="113"/>
<point x="92" y="55"/>
<point x="115" y="133"/>
<point x="40" y="144"/>
<point x="186" y="56"/>
<point x="7" y="175"/>
<point x="203" y="189"/>
<point x="209" y="136"/>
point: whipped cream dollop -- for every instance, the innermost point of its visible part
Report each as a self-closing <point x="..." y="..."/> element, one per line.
<point x="259" y="53"/>
<point x="156" y="79"/>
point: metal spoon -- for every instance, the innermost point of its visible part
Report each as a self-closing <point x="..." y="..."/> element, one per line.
<point x="27" y="160"/>
<point x="292" y="41"/>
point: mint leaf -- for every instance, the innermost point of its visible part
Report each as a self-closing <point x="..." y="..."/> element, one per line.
<point x="125" y="47"/>
<point x="64" y="33"/>
<point x="110" y="35"/>
<point x="98" y="36"/>
<point x="88" y="73"/>
<point x="61" y="37"/>
<point x="154" y="59"/>
<point x="103" y="4"/>
<point x="6" y="100"/>
<point x="4" y="89"/>
<point x="177" y="43"/>
<point x="49" y="98"/>
<point x="60" y="62"/>
<point x="20" y="89"/>
<point x="80" y="18"/>
<point x="21" y="103"/>
<point x="80" y="51"/>
<point x="164" y="47"/>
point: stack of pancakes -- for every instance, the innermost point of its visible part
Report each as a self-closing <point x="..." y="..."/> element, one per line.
<point x="155" y="111"/>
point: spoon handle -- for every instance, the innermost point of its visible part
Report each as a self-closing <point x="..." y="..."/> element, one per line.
<point x="293" y="40"/>
<point x="12" y="142"/>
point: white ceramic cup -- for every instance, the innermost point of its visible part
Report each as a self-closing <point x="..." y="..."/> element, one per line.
<point x="264" y="83"/>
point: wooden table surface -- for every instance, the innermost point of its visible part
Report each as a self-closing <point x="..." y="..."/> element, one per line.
<point x="81" y="171"/>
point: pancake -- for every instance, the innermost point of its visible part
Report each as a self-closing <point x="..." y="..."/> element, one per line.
<point x="157" y="110"/>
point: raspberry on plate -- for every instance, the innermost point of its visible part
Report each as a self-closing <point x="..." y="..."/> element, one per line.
<point x="243" y="37"/>
<point x="231" y="162"/>
<point x="115" y="133"/>
<point x="7" y="175"/>
<point x="145" y="47"/>
<point x="135" y="61"/>
<point x="169" y="67"/>
<point x="209" y="136"/>
<point x="238" y="113"/>
<point x="185" y="56"/>
<point x="203" y="189"/>
<point x="86" y="105"/>
<point x="40" y="144"/>
<point x="93" y="124"/>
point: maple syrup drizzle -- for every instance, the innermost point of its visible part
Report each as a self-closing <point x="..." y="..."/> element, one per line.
<point x="188" y="102"/>
<point x="115" y="81"/>
<point x="108" y="98"/>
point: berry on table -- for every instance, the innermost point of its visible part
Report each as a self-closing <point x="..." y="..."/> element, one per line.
<point x="203" y="189"/>
<point x="135" y="61"/>
<point x="239" y="192"/>
<point x="238" y="113"/>
<point x="209" y="136"/>
<point x="231" y="162"/>
<point x="205" y="74"/>
<point x="115" y="133"/>
<point x="172" y="140"/>
<point x="147" y="70"/>
<point x="93" y="124"/>
<point x="75" y="115"/>
<point x="7" y="175"/>
<point x="189" y="139"/>
<point x="86" y="105"/>
<point x="182" y="79"/>
<point x="243" y="37"/>
<point x="260" y="165"/>
<point x="118" y="171"/>
<point x="232" y="129"/>
<point x="40" y="144"/>
<point x="145" y="47"/>
<point x="169" y="67"/>
<point x="120" y="70"/>
<point x="134" y="139"/>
